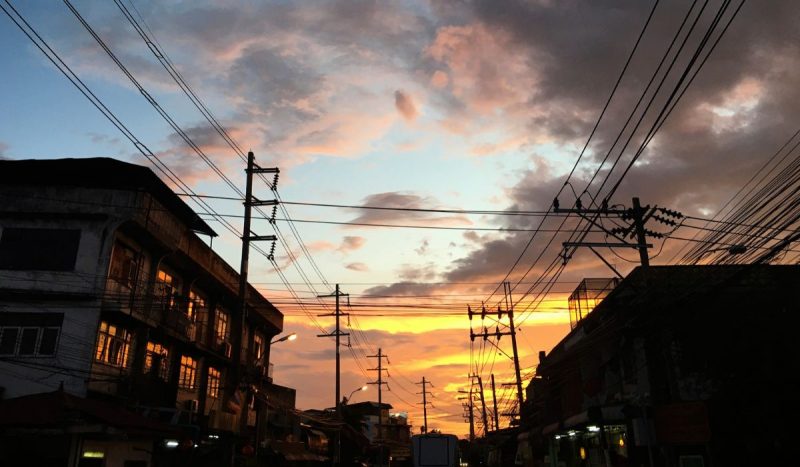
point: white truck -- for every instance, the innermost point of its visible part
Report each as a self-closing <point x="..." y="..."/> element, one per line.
<point x="434" y="450"/>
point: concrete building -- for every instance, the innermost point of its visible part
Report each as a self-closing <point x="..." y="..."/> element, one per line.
<point x="676" y="366"/>
<point x="108" y="293"/>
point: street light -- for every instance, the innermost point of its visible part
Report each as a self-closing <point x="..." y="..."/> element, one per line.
<point x="362" y="388"/>
<point x="289" y="337"/>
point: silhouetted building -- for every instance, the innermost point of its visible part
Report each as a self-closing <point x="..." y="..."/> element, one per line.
<point x="678" y="365"/>
<point x="108" y="292"/>
<point x="394" y="432"/>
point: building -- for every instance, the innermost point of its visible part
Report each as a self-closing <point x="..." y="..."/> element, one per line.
<point x="677" y="366"/>
<point x="108" y="293"/>
<point x="394" y="434"/>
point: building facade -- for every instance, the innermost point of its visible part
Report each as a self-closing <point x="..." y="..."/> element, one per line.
<point x="108" y="293"/>
<point x="677" y="366"/>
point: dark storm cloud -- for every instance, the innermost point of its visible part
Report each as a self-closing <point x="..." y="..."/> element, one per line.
<point x="744" y="104"/>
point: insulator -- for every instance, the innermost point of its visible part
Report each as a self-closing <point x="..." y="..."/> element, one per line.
<point x="469" y="312"/>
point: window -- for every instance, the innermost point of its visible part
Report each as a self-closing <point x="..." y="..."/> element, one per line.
<point x="124" y="265"/>
<point x="197" y="306"/>
<point x="113" y="345"/>
<point x="166" y="289"/>
<point x="221" y="325"/>
<point x="39" y="249"/>
<point x="30" y="334"/>
<point x="157" y="355"/>
<point x="188" y="374"/>
<point x="214" y="378"/>
<point x="258" y="347"/>
<point x="8" y="341"/>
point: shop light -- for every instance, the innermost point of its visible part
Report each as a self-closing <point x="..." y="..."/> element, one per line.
<point x="558" y="436"/>
<point x="593" y="428"/>
<point x="583" y="453"/>
<point x="171" y="443"/>
<point x="94" y="454"/>
<point x="572" y="433"/>
<point x="621" y="442"/>
<point x="213" y="436"/>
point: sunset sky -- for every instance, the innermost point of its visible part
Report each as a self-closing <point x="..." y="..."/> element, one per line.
<point x="447" y="105"/>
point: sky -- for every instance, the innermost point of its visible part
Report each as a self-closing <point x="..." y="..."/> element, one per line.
<point x="450" y="105"/>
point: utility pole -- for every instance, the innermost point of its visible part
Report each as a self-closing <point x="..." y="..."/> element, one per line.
<point x="241" y="318"/>
<point x="637" y="215"/>
<point x="638" y="224"/>
<point x="512" y="331"/>
<point x="483" y="407"/>
<point x="338" y="334"/>
<point x="424" y="393"/>
<point x="380" y="369"/>
<point x="494" y="401"/>
<point x="467" y="406"/>
<point x="510" y="309"/>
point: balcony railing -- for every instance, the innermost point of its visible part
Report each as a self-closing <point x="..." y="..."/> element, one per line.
<point x="588" y="294"/>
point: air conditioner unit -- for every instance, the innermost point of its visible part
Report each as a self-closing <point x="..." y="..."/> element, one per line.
<point x="226" y="349"/>
<point x="192" y="405"/>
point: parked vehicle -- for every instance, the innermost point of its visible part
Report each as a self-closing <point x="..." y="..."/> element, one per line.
<point x="434" y="450"/>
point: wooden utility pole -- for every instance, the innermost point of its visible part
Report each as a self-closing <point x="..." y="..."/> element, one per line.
<point x="494" y="401"/>
<point x="380" y="369"/>
<point x="424" y="393"/>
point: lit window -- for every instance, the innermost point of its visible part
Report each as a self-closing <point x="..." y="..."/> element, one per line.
<point x="166" y="289"/>
<point x="188" y="374"/>
<point x="221" y="325"/>
<point x="113" y="345"/>
<point x="197" y="307"/>
<point x="214" y="379"/>
<point x="258" y="347"/>
<point x="159" y="355"/>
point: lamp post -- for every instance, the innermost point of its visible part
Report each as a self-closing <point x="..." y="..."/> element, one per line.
<point x="288" y="337"/>
<point x="362" y="388"/>
<point x="259" y="428"/>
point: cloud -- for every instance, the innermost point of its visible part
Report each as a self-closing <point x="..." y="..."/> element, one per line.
<point x="320" y="245"/>
<point x="3" y="148"/>
<point x="351" y="243"/>
<point x="403" y="200"/>
<point x="360" y="267"/>
<point x="423" y="248"/>
<point x="405" y="105"/>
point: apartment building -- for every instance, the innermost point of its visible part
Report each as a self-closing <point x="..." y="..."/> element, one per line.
<point x="110" y="292"/>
